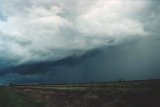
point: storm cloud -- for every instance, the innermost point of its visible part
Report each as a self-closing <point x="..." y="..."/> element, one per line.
<point x="78" y="41"/>
<point x="50" y="30"/>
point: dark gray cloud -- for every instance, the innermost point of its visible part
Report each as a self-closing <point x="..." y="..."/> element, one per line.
<point x="128" y="61"/>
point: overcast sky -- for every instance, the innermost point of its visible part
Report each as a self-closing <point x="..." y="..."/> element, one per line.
<point x="79" y="40"/>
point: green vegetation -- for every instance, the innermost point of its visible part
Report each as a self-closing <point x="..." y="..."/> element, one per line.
<point x="9" y="98"/>
<point x="113" y="94"/>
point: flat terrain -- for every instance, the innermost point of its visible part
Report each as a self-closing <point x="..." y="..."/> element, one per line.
<point x="113" y="94"/>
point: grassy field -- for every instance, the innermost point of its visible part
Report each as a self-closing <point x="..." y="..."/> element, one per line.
<point x="113" y="94"/>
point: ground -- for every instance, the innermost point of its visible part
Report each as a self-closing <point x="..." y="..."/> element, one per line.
<point x="113" y="94"/>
